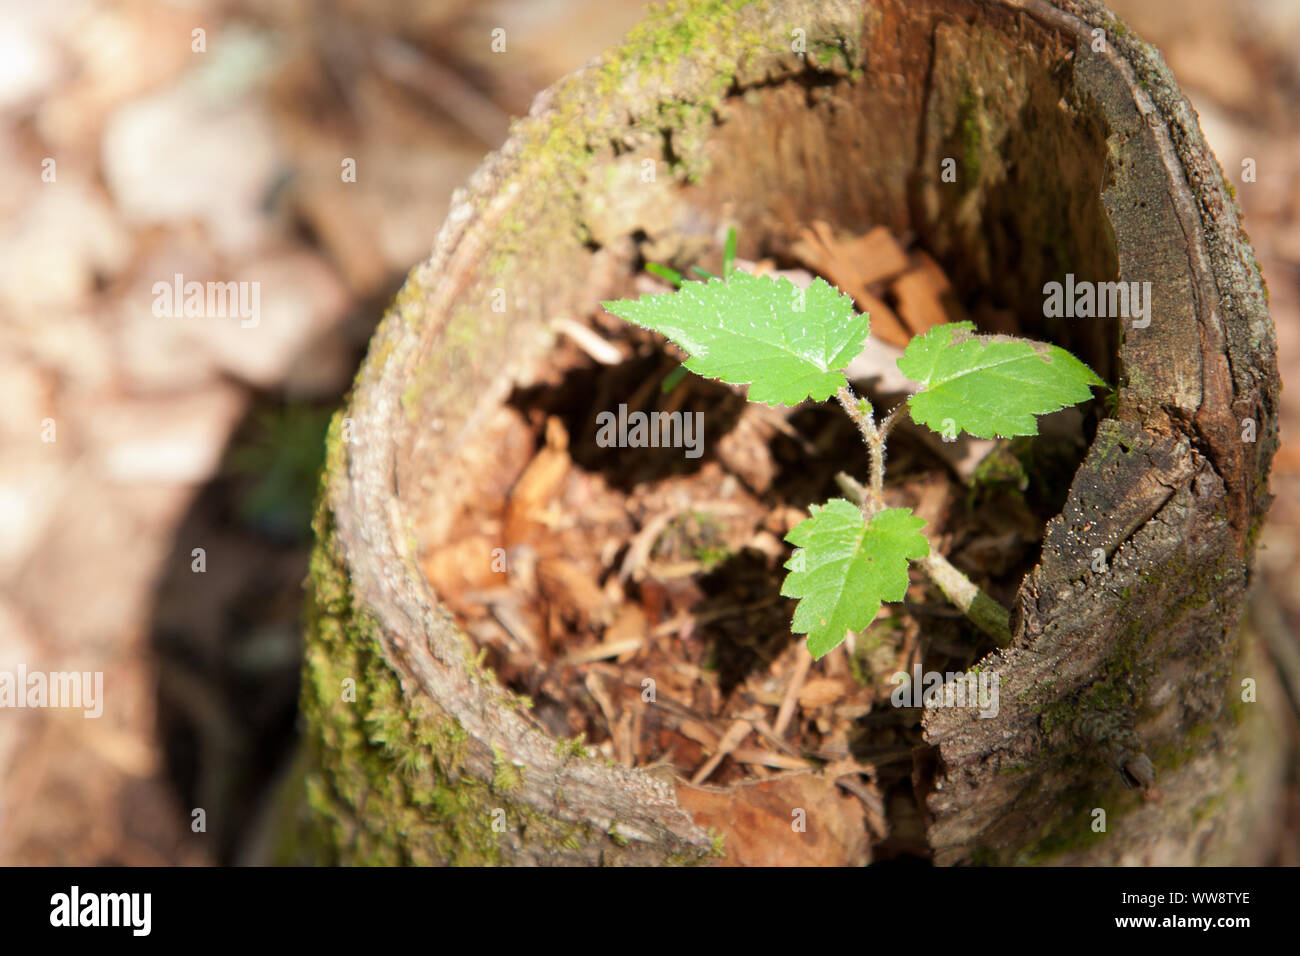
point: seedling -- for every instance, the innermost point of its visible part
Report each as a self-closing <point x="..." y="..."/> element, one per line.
<point x="790" y="345"/>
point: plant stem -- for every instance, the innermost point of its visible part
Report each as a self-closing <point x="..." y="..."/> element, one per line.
<point x="891" y="419"/>
<point x="862" y="417"/>
<point x="875" y="440"/>
<point x="984" y="612"/>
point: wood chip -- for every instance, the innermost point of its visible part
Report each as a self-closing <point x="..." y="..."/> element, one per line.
<point x="822" y="691"/>
<point x="746" y="450"/>
<point x="638" y="552"/>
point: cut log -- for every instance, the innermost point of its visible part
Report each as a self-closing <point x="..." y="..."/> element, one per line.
<point x="1023" y="143"/>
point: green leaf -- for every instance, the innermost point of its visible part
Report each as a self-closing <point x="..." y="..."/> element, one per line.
<point x="786" y="344"/>
<point x="990" y="385"/>
<point x="666" y="273"/>
<point x="672" y="378"/>
<point x="844" y="568"/>
<point x="729" y="255"/>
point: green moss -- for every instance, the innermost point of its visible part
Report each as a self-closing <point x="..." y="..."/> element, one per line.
<point x="717" y="851"/>
<point x="830" y="54"/>
<point x="971" y="132"/>
<point x="690" y="52"/>
<point x="506" y="777"/>
<point x="1112" y="705"/>
<point x="573" y="747"/>
<point x="982" y="856"/>
<point x="662" y="85"/>
<point x="387" y="782"/>
<point x="1071" y="830"/>
<point x="1000" y="466"/>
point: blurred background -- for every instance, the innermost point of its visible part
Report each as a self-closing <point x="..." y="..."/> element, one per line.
<point x="224" y="163"/>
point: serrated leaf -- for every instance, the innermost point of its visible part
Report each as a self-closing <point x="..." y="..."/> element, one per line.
<point x="747" y="331"/>
<point x="844" y="568"/>
<point x="990" y="385"/>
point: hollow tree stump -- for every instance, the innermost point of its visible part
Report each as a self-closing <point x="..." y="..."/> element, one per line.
<point x="1073" y="153"/>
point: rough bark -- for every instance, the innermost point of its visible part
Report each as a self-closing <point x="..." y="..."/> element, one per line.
<point x="1071" y="160"/>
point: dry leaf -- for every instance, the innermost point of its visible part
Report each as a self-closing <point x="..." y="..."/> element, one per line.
<point x="537" y="487"/>
<point x="757" y="821"/>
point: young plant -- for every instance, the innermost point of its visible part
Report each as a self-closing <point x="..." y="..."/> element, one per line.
<point x="790" y="345"/>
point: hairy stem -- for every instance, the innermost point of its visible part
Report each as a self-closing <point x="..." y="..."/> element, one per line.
<point x="862" y="417"/>
<point x="984" y="612"/>
<point x="875" y="440"/>
<point x="891" y="420"/>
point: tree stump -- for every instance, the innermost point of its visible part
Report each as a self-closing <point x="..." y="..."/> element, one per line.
<point x="1022" y="141"/>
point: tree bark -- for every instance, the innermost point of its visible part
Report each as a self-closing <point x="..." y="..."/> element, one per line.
<point x="1071" y="156"/>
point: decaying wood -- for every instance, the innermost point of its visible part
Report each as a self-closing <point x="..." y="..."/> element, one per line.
<point x="1069" y="159"/>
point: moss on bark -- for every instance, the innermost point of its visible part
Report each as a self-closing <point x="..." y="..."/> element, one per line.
<point x="386" y="779"/>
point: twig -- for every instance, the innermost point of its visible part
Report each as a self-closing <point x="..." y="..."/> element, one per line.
<point x="803" y="661"/>
<point x="732" y="739"/>
<point x="770" y="758"/>
<point x="603" y="651"/>
<point x="984" y="612"/>
<point x="600" y="349"/>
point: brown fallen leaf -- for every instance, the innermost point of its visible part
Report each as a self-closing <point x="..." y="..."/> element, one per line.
<point x="875" y="256"/>
<point x="925" y="296"/>
<point x="791" y="820"/>
<point x="628" y="629"/>
<point x="852" y="265"/>
<point x="459" y="567"/>
<point x="573" y="592"/>
<point x="537" y="487"/>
